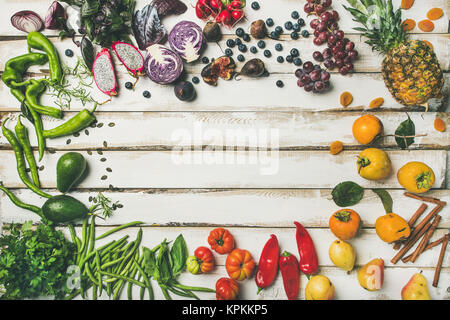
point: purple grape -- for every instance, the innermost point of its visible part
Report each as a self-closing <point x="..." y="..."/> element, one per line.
<point x="326" y="3"/>
<point x="300" y="83"/>
<point x="319" y="86"/>
<point x="309" y="87"/>
<point x="318" y="56"/>
<point x="340" y="44"/>
<point x="323" y="36"/>
<point x="308" y="66"/>
<point x="322" y="26"/>
<point x="329" y="64"/>
<point x="335" y="15"/>
<point x="314" y="23"/>
<point x="350" y="46"/>
<point x="353" y="54"/>
<point x="299" y="72"/>
<point x="326" y="16"/>
<point x="343" y="70"/>
<point x="338" y="63"/>
<point x="349" y="66"/>
<point x="340" y="34"/>
<point x="327" y="53"/>
<point x="305" y="79"/>
<point x="315" y="75"/>
<point x="324" y="75"/>
<point x="340" y="55"/>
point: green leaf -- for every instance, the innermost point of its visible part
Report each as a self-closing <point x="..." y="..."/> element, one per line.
<point x="179" y="254"/>
<point x="163" y="270"/>
<point x="149" y="261"/>
<point x="386" y="199"/>
<point x="404" y="133"/>
<point x="347" y="194"/>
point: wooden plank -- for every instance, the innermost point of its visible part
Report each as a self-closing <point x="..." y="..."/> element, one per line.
<point x="280" y="11"/>
<point x="250" y="95"/>
<point x="193" y="208"/>
<point x="225" y="169"/>
<point x="155" y="130"/>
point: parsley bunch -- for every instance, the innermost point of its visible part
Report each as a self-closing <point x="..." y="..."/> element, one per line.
<point x="33" y="261"/>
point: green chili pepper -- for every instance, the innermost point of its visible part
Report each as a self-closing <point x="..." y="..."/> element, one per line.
<point x="78" y="122"/>
<point x="21" y="168"/>
<point x="26" y="112"/>
<point x="32" y="93"/>
<point x="22" y="137"/>
<point x="15" y="68"/>
<point x="19" y="203"/>
<point x="38" y="41"/>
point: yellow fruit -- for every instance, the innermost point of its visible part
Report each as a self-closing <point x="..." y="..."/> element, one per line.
<point x="342" y="255"/>
<point x="374" y="164"/>
<point x="371" y="275"/>
<point x="416" y="177"/>
<point x="366" y="128"/>
<point x="416" y="288"/>
<point x="391" y="227"/>
<point x="319" y="288"/>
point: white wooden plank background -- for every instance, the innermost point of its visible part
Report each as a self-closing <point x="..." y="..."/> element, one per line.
<point x="191" y="199"/>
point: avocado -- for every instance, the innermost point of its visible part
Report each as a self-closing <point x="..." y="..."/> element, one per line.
<point x="64" y="208"/>
<point x="69" y="170"/>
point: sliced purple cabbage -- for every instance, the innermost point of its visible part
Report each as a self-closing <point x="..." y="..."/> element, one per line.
<point x="162" y="65"/>
<point x="187" y="39"/>
<point x="147" y="27"/>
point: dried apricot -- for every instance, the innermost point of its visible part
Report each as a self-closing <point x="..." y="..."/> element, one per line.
<point x="435" y="13"/>
<point x="346" y="99"/>
<point x="376" y="103"/>
<point x="439" y="125"/>
<point x="426" y="25"/>
<point x="407" y="4"/>
<point x="408" y="24"/>
<point x="336" y="147"/>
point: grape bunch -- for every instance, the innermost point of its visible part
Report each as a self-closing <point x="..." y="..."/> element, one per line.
<point x="312" y="77"/>
<point x="340" y="52"/>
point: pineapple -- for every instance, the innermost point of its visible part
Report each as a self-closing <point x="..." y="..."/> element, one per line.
<point x="410" y="68"/>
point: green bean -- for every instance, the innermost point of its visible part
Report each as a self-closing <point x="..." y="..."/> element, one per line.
<point x="134" y="270"/>
<point x="118" y="276"/>
<point x="146" y="280"/>
<point x="92" y="235"/>
<point x="107" y="233"/>
<point x="111" y="263"/>
<point x="72" y="295"/>
<point x="199" y="289"/>
<point x="90" y="275"/>
<point x="99" y="275"/>
<point x="22" y="137"/>
<point x="187" y="294"/>
<point x="94" y="292"/>
<point x="83" y="235"/>
<point x="165" y="293"/>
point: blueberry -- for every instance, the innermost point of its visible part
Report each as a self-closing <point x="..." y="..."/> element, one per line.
<point x="279" y="29"/>
<point x="240" y="32"/>
<point x="278" y="47"/>
<point x="288" y="25"/>
<point x="246" y="37"/>
<point x="274" y="35"/>
<point x="267" y="53"/>
<point x="146" y="94"/>
<point x="301" y="22"/>
<point x="294" y="35"/>
<point x="228" y="52"/>
<point x="205" y="60"/>
<point x="289" y="58"/>
<point x="230" y="43"/>
<point x="269" y="22"/>
<point x="280" y="59"/>
<point x="294" y="52"/>
<point x="296" y="27"/>
<point x="280" y="84"/>
<point x="128" y="85"/>
<point x="261" y="44"/>
<point x="253" y="49"/>
<point x="255" y="5"/>
<point x="240" y="58"/>
<point x="195" y="80"/>
<point x="298" y="61"/>
<point x="242" y="47"/>
<point x="295" y="15"/>
<point x="305" y="33"/>
<point x="237" y="41"/>
<point x="69" y="53"/>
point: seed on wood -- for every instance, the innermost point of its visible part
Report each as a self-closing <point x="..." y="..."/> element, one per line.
<point x="51" y="151"/>
<point x="95" y="200"/>
<point x="90" y="198"/>
<point x="68" y="141"/>
<point x="86" y="132"/>
<point x="100" y="124"/>
<point x="119" y="205"/>
<point x="111" y="187"/>
<point x="105" y="144"/>
<point x="111" y="124"/>
<point x="41" y="168"/>
<point x="103" y="159"/>
<point x="100" y="152"/>
<point x="89" y="152"/>
<point x="76" y="134"/>
<point x="104" y="177"/>
<point x="114" y="206"/>
<point x="93" y="125"/>
<point x="109" y="169"/>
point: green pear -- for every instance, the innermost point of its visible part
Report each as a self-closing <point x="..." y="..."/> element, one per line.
<point x="416" y="288"/>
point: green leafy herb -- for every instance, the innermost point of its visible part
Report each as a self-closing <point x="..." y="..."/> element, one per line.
<point x="347" y="194"/>
<point x="404" y="135"/>
<point x="386" y="199"/>
<point x="103" y="206"/>
<point x="179" y="254"/>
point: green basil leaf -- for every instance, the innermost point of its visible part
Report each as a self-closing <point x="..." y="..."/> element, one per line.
<point x="149" y="261"/>
<point x="386" y="199"/>
<point x="347" y="194"/>
<point x="405" y="129"/>
<point x="163" y="264"/>
<point x="179" y="254"/>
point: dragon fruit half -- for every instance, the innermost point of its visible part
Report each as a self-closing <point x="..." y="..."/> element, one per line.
<point x="130" y="57"/>
<point x="104" y="75"/>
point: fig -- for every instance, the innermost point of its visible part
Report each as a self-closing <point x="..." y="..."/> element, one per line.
<point x="222" y="67"/>
<point x="184" y="91"/>
<point x="104" y="75"/>
<point x="212" y="31"/>
<point x="253" y="68"/>
<point x="258" y="29"/>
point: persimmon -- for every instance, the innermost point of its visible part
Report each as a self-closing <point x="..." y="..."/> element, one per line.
<point x="416" y="177"/>
<point x="374" y="164"/>
<point x="336" y="147"/>
<point x="345" y="224"/>
<point x="426" y="25"/>
<point x="346" y="99"/>
<point x="439" y="125"/>
<point x="435" y="13"/>
<point x="376" y="103"/>
<point x="391" y="227"/>
<point x="407" y="4"/>
<point x="367" y="128"/>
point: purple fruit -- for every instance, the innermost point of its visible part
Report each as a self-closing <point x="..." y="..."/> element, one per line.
<point x="299" y="72"/>
<point x="318" y="56"/>
<point x="308" y="66"/>
<point x="343" y="70"/>
<point x="300" y="83"/>
<point x="315" y="75"/>
<point x="309" y="87"/>
<point x="350" y="46"/>
<point x="353" y="54"/>
<point x="329" y="64"/>
<point x="327" y="53"/>
<point x="314" y="23"/>
<point x="305" y="79"/>
<point x="319" y="86"/>
<point x="324" y="75"/>
<point x="338" y="63"/>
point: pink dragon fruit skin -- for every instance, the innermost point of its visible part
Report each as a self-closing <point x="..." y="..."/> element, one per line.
<point x="104" y="75"/>
<point x="138" y="68"/>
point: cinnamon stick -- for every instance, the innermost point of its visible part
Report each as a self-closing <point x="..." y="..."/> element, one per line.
<point x="410" y="243"/>
<point x="427" y="219"/>
<point x="437" y="271"/>
<point x="425" y="199"/>
<point x="425" y="239"/>
<point x="428" y="247"/>
<point x="412" y="221"/>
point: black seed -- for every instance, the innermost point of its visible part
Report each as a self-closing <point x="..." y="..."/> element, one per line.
<point x="109" y="169"/>
<point x="103" y="159"/>
<point x="41" y="168"/>
<point x="86" y="132"/>
<point x="104" y="177"/>
<point x="76" y="134"/>
<point x="100" y="125"/>
<point x="111" y="124"/>
<point x="100" y="152"/>
<point x="89" y="152"/>
<point x="119" y="205"/>
<point x="68" y="141"/>
<point x="27" y="170"/>
<point x="105" y="144"/>
<point x="90" y="198"/>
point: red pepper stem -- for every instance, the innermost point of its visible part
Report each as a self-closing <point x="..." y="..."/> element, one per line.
<point x="286" y="254"/>
<point x="259" y="290"/>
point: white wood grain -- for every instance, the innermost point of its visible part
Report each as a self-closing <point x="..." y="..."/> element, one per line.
<point x="226" y="169"/>
<point x="154" y="130"/>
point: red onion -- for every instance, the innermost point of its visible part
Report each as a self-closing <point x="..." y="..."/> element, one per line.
<point x="56" y="14"/>
<point x="27" y="21"/>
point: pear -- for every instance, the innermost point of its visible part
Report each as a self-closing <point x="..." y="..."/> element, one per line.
<point x="342" y="255"/>
<point x="319" y="288"/>
<point x="416" y="288"/>
<point x="371" y="275"/>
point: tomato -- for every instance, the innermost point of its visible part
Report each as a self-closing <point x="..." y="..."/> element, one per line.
<point x="367" y="128"/>
<point x="221" y="241"/>
<point x="345" y="223"/>
<point x="374" y="164"/>
<point x="226" y="289"/>
<point x="239" y="264"/>
<point x="205" y="258"/>
<point x="416" y="177"/>
<point x="193" y="266"/>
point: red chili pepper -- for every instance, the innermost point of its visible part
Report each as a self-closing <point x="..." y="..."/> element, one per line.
<point x="291" y="275"/>
<point x="268" y="264"/>
<point x="308" y="256"/>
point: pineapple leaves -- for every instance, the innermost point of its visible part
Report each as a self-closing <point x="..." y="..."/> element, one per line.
<point x="404" y="135"/>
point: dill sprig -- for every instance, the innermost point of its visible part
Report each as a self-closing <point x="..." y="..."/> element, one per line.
<point x="103" y="206"/>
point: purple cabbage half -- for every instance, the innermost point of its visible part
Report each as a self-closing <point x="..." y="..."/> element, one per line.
<point x="147" y="27"/>
<point x="187" y="39"/>
<point x="162" y="65"/>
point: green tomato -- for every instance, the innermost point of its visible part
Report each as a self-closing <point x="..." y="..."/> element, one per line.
<point x="192" y="265"/>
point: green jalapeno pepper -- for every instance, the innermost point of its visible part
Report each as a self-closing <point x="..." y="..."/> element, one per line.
<point x="22" y="137"/>
<point x="32" y="94"/>
<point x="15" y="68"/>
<point x="38" y="41"/>
<point x="19" y="203"/>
